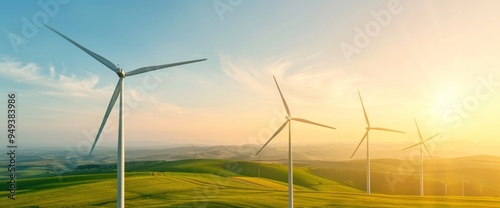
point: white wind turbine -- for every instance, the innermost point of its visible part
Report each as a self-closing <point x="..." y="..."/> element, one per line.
<point x="445" y="188"/>
<point x="119" y="90"/>
<point x="463" y="185"/>
<point x="289" y="120"/>
<point x="258" y="166"/>
<point x="422" y="143"/>
<point x="368" y="128"/>
<point x="195" y="164"/>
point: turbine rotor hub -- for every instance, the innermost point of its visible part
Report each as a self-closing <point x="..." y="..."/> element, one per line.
<point x="288" y="117"/>
<point x="121" y="73"/>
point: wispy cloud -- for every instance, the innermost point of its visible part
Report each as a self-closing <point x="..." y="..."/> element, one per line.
<point x="53" y="83"/>
<point x="308" y="76"/>
<point x="71" y="87"/>
<point x="165" y="107"/>
<point x="151" y="102"/>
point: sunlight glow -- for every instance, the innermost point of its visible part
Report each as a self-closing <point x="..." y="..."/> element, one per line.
<point x="446" y="95"/>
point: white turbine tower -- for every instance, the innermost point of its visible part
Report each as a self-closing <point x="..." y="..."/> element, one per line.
<point x="258" y="166"/>
<point x="289" y="120"/>
<point x="119" y="90"/>
<point x="368" y="128"/>
<point x="463" y="185"/>
<point x="195" y="164"/>
<point x="445" y="188"/>
<point x="422" y="143"/>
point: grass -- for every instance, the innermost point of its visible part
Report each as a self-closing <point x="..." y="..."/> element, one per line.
<point x="218" y="183"/>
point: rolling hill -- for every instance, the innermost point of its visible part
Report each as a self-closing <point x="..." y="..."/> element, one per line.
<point x="229" y="183"/>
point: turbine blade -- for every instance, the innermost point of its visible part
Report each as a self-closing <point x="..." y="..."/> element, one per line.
<point x="412" y="146"/>
<point x="432" y="137"/>
<point x="363" y="139"/>
<point x="418" y="129"/>
<point x="364" y="111"/>
<point x="96" y="56"/>
<point x="310" y="122"/>
<point x="423" y="143"/>
<point x="282" y="98"/>
<point x="272" y="137"/>
<point x="108" y="111"/>
<point x="384" y="129"/>
<point x="427" y="150"/>
<point x="152" y="68"/>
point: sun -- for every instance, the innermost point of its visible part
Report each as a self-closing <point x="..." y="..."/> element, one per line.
<point x="446" y="95"/>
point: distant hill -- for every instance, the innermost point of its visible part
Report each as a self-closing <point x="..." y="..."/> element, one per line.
<point x="319" y="151"/>
<point x="230" y="183"/>
<point x="401" y="177"/>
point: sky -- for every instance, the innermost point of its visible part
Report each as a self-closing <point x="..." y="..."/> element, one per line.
<point x="435" y="62"/>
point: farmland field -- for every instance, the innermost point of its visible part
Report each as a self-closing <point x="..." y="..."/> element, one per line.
<point x="213" y="183"/>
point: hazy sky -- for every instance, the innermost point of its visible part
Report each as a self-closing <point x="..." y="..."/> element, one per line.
<point x="433" y="61"/>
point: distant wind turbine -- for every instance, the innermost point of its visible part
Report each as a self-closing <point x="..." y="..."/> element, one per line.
<point x="195" y="165"/>
<point x="258" y="166"/>
<point x="463" y="185"/>
<point x="445" y="188"/>
<point x="289" y="120"/>
<point x="422" y="143"/>
<point x="368" y="128"/>
<point x="119" y="90"/>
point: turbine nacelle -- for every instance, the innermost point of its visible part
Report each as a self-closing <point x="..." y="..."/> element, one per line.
<point x="120" y="73"/>
<point x="288" y="119"/>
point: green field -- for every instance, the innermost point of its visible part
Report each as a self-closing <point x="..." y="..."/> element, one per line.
<point x="216" y="183"/>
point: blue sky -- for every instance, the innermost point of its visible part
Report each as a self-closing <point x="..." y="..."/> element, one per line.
<point x="422" y="62"/>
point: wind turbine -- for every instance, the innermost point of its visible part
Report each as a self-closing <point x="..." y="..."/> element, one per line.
<point x="258" y="166"/>
<point x="481" y="185"/>
<point x="463" y="185"/>
<point x="368" y="128"/>
<point x="289" y="120"/>
<point x="195" y="165"/>
<point x="446" y="189"/>
<point x="119" y="90"/>
<point x="422" y="143"/>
